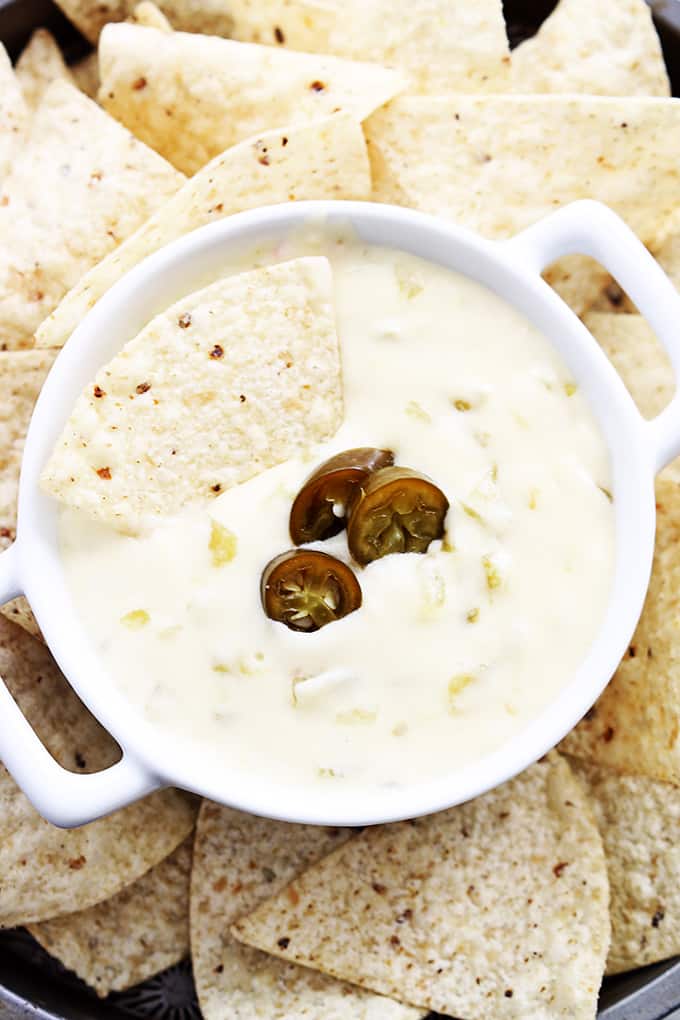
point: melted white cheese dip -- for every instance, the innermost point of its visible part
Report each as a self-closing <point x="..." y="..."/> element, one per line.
<point x="452" y="652"/>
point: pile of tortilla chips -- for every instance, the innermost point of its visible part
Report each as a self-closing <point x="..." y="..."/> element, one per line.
<point x="516" y="904"/>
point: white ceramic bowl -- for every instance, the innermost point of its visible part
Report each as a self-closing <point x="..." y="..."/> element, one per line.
<point x="512" y="269"/>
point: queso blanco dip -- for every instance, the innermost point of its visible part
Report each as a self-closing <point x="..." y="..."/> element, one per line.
<point x="454" y="650"/>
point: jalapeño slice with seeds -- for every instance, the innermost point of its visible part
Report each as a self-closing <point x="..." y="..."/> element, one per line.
<point x="321" y="506"/>
<point x="306" y="589"/>
<point x="398" y="511"/>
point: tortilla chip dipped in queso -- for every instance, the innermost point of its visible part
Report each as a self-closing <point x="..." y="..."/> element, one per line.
<point x="222" y="385"/>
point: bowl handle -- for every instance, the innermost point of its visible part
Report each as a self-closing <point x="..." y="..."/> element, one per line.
<point x="64" y="798"/>
<point x="590" y="228"/>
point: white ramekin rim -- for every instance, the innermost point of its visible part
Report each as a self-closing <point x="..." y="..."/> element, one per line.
<point x="638" y="449"/>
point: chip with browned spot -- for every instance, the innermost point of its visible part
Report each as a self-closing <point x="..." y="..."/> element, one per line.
<point x="126" y="939"/>
<point x="239" y="861"/>
<point x="497" y="908"/>
<point x="194" y="430"/>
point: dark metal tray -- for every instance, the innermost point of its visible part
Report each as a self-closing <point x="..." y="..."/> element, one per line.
<point x="32" y="984"/>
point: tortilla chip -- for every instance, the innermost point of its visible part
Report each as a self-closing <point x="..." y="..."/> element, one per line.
<point x="441" y="45"/>
<point x="80" y="185"/>
<point x="139" y="932"/>
<point x="21" y="377"/>
<point x="490" y="141"/>
<point x="19" y="612"/>
<point x="85" y="73"/>
<point x="667" y="253"/>
<point x="40" y="64"/>
<point x="496" y="908"/>
<point x="578" y="280"/>
<point x="324" y="159"/>
<point x="46" y="871"/>
<point x="608" y="48"/>
<point x="22" y="374"/>
<point x="239" y="861"/>
<point x="260" y="380"/>
<point x="210" y="16"/>
<point x="151" y="16"/>
<point x="90" y="18"/>
<point x="631" y="345"/>
<point x="302" y="25"/>
<point x="634" y="727"/>
<point x="71" y="734"/>
<point x="13" y="114"/>
<point x="639" y="821"/>
<point x="497" y="164"/>
<point x="191" y="97"/>
<point x="613" y="300"/>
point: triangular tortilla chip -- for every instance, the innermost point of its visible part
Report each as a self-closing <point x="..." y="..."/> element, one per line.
<point x="613" y="300"/>
<point x="19" y="612"/>
<point x="260" y="380"/>
<point x="578" y="280"/>
<point x="22" y="374"/>
<point x="607" y="48"/>
<point x="667" y="253"/>
<point x="90" y="18"/>
<point x="303" y="25"/>
<point x="497" y="164"/>
<point x="151" y="16"/>
<point x="239" y="861"/>
<point x="324" y="159"/>
<point x="441" y="45"/>
<point x="496" y="908"/>
<point x="40" y="64"/>
<point x="634" y="727"/>
<point x="70" y="732"/>
<point x="192" y="96"/>
<point x="639" y="821"/>
<point x="86" y="75"/>
<point x="46" y="871"/>
<point x="142" y="930"/>
<point x="630" y="344"/>
<point x="13" y="114"/>
<point x="211" y="16"/>
<point x="80" y="185"/>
